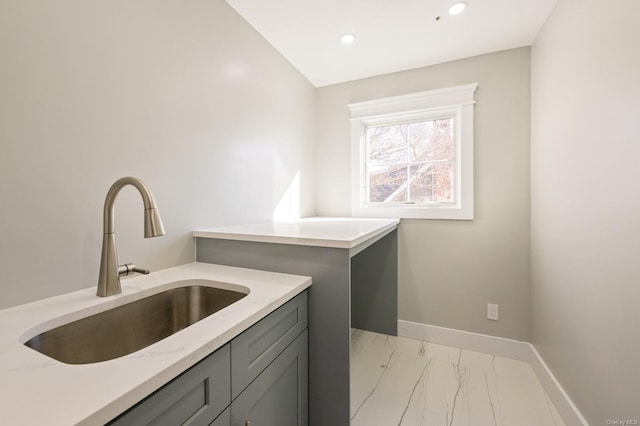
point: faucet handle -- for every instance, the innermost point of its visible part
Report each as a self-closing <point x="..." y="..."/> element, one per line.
<point x="130" y="268"/>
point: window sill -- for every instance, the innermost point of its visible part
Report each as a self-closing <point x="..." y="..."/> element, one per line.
<point x="414" y="212"/>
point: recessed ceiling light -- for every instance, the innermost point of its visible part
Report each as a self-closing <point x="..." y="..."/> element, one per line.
<point x="458" y="7"/>
<point x="348" y="38"/>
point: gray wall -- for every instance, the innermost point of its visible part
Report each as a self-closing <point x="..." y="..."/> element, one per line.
<point x="585" y="209"/>
<point x="185" y="95"/>
<point x="450" y="270"/>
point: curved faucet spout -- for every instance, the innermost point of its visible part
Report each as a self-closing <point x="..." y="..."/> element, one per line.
<point x="152" y="223"/>
<point x="109" y="279"/>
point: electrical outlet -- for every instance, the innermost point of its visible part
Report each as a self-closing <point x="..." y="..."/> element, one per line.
<point x="492" y="311"/>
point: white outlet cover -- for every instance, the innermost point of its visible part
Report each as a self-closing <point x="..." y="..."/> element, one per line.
<point x="492" y="311"/>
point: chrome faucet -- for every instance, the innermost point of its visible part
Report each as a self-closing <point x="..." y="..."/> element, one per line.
<point x="110" y="272"/>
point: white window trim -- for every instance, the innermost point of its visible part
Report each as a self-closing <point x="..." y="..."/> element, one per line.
<point x="458" y="99"/>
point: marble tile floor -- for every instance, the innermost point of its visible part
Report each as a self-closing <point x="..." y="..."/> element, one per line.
<point x="400" y="381"/>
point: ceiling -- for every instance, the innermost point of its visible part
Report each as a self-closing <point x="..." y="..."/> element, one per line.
<point x="392" y="35"/>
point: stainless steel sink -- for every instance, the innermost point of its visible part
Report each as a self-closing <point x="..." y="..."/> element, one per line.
<point x="133" y="326"/>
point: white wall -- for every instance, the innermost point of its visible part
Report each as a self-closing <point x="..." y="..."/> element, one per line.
<point x="450" y="270"/>
<point x="585" y="207"/>
<point x="185" y="95"/>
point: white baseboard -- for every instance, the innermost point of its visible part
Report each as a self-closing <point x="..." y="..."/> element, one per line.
<point x="466" y="340"/>
<point x="508" y="348"/>
<point x="567" y="410"/>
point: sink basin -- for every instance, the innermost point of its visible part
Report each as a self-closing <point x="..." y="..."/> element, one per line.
<point x="125" y="329"/>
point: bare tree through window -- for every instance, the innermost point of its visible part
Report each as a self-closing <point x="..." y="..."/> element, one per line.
<point x="411" y="162"/>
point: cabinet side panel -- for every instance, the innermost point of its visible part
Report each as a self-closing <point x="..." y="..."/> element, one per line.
<point x="374" y="287"/>
<point x="329" y="313"/>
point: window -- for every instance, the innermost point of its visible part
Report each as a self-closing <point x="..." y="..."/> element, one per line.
<point x="410" y="162"/>
<point x="412" y="156"/>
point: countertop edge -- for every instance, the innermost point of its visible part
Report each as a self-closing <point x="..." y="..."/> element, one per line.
<point x="238" y="233"/>
<point x="272" y="239"/>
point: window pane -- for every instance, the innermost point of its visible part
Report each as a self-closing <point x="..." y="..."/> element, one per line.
<point x="421" y="186"/>
<point x="443" y="182"/>
<point x="387" y="145"/>
<point x="431" y="140"/>
<point x="411" y="162"/>
<point x="420" y="141"/>
<point x="387" y="185"/>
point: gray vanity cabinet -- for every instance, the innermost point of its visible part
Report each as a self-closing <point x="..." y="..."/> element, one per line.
<point x="260" y="378"/>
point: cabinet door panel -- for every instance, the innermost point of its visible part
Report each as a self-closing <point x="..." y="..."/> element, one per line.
<point x="194" y="398"/>
<point x="257" y="347"/>
<point x="279" y="395"/>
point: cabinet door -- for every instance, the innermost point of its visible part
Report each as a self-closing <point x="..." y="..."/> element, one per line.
<point x="279" y="395"/>
<point x="196" y="397"/>
<point x="257" y="347"/>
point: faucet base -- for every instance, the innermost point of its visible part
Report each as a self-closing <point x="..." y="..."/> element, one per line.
<point x="109" y="278"/>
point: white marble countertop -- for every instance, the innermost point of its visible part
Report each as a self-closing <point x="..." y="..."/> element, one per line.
<point x="38" y="390"/>
<point x="345" y="233"/>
